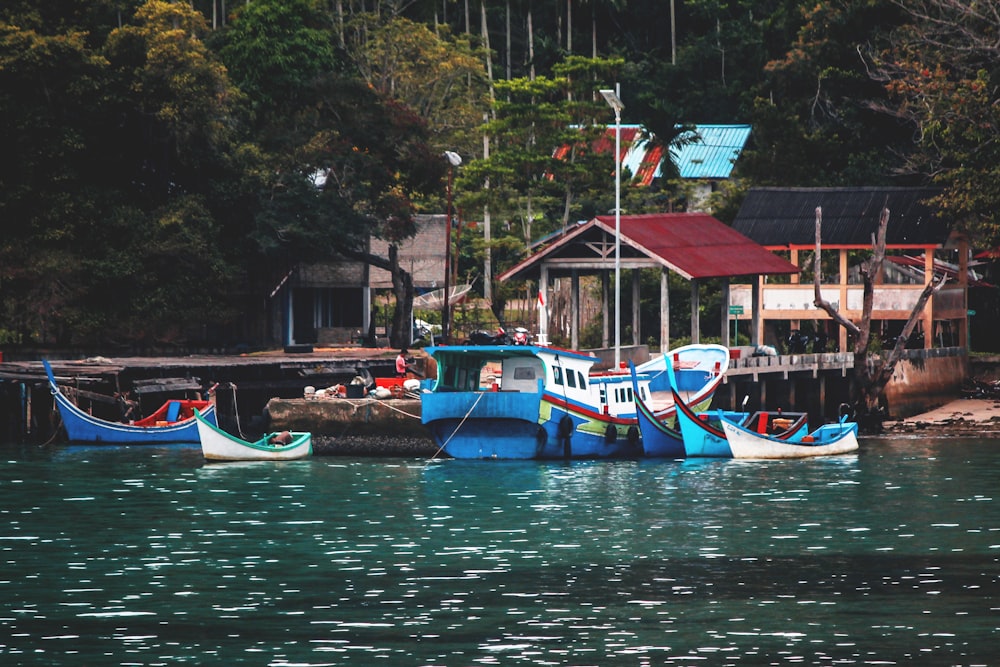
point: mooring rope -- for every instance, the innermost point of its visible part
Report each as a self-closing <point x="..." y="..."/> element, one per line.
<point x="236" y="410"/>
<point x="445" y="443"/>
<point x="386" y="404"/>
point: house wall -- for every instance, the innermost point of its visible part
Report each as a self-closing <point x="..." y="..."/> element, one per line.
<point x="422" y="255"/>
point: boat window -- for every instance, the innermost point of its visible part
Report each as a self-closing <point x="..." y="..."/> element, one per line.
<point x="571" y="378"/>
<point x="524" y="373"/>
<point x="557" y="375"/>
<point x="583" y="380"/>
<point x="604" y="395"/>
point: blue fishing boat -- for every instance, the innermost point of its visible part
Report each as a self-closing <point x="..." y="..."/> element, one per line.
<point x="659" y="438"/>
<point x="528" y="402"/>
<point x="705" y="436"/>
<point x="174" y="421"/>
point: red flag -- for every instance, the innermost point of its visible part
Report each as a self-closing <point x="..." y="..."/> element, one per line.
<point x="541" y="299"/>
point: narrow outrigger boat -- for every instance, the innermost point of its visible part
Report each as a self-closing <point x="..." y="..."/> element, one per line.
<point x="174" y="421"/>
<point x="528" y="402"/>
<point x="698" y="432"/>
<point x="827" y="440"/>
<point x="693" y="374"/>
<point x="218" y="445"/>
<point x="705" y="437"/>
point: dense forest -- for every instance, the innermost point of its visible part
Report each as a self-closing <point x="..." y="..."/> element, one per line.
<point x="163" y="164"/>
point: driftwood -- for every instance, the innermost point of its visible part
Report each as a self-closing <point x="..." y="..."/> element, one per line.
<point x="872" y="371"/>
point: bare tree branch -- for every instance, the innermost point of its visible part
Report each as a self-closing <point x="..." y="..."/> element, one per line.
<point x="818" y="299"/>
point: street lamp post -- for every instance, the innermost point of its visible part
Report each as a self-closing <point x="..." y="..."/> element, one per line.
<point x="454" y="159"/>
<point x="615" y="102"/>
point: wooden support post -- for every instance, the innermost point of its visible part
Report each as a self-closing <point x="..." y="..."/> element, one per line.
<point x="695" y="318"/>
<point x="757" y="312"/>
<point x="928" y="314"/>
<point x="963" y="281"/>
<point x="636" y="323"/>
<point x="575" y="310"/>
<point x="725" y="312"/>
<point x="543" y="313"/>
<point x="842" y="331"/>
<point x="664" y="311"/>
<point x="605" y="293"/>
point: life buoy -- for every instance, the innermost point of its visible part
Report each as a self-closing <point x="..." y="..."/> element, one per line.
<point x="845" y="412"/>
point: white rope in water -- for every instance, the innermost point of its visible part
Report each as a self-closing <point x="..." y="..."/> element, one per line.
<point x="445" y="443"/>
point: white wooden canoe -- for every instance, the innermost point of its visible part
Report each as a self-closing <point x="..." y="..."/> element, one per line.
<point x="217" y="445"/>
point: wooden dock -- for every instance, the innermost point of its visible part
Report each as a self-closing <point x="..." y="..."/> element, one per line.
<point x="243" y="383"/>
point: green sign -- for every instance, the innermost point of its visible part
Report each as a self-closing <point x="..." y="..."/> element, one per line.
<point x="735" y="310"/>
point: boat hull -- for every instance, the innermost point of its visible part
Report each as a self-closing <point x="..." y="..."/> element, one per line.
<point x="497" y="425"/>
<point x="659" y="440"/>
<point x="217" y="445"/>
<point x="827" y="440"/>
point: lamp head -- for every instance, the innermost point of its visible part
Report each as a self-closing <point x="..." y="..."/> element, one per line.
<point x="611" y="97"/>
<point x="454" y="159"/>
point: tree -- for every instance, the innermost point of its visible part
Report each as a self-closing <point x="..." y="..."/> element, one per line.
<point x="941" y="73"/>
<point x="344" y="158"/>
<point x="872" y="371"/>
<point x="108" y="148"/>
<point x="815" y="112"/>
<point x="438" y="76"/>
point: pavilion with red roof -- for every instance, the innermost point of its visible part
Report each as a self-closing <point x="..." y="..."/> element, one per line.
<point x="696" y="246"/>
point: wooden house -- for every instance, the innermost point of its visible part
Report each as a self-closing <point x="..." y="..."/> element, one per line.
<point x="919" y="246"/>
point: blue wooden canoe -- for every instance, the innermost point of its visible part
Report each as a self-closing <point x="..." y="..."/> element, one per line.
<point x="174" y="421"/>
<point x="704" y="435"/>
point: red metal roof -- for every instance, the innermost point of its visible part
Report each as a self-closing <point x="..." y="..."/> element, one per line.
<point x="694" y="245"/>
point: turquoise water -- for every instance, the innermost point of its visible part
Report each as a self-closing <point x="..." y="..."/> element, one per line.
<point x="148" y="556"/>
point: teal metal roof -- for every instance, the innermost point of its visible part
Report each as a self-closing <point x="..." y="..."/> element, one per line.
<point x="711" y="154"/>
<point x="714" y="153"/>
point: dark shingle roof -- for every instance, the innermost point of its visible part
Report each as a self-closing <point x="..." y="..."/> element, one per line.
<point x="787" y="216"/>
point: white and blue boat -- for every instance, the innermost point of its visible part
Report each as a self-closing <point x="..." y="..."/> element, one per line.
<point x="704" y="435"/>
<point x="528" y="402"/>
<point x="827" y="440"/>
